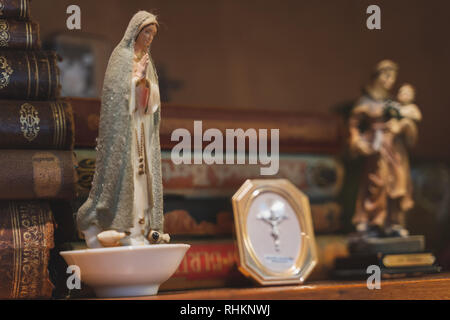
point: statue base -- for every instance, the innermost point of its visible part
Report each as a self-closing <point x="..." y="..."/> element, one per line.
<point x="363" y="246"/>
<point x="395" y="256"/>
<point x="128" y="271"/>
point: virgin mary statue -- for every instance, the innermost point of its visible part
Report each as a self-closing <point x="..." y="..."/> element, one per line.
<point x="125" y="205"/>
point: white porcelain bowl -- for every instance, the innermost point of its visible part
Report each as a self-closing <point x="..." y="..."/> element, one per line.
<point x="127" y="271"/>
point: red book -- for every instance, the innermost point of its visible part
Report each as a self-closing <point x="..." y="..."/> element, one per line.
<point x="210" y="264"/>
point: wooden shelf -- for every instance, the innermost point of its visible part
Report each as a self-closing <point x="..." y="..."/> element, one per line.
<point x="428" y="287"/>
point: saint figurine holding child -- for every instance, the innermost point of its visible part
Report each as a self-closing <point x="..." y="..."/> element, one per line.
<point x="381" y="130"/>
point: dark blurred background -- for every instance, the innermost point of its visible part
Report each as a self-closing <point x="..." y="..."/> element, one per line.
<point x="304" y="55"/>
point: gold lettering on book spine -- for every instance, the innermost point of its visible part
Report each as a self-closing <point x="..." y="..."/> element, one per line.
<point x="4" y="33"/>
<point x="17" y="245"/>
<point x="62" y="128"/>
<point x="29" y="121"/>
<point x="36" y="76"/>
<point x="49" y="76"/>
<point x="27" y="34"/>
<point x="29" y="31"/>
<point x="33" y="238"/>
<point x="5" y="72"/>
<point x="36" y="240"/>
<point x="56" y="126"/>
<point x="59" y="120"/>
<point x="29" y="76"/>
<point x="24" y="8"/>
<point x="31" y="36"/>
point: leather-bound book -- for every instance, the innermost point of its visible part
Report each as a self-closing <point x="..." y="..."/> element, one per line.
<point x="36" y="125"/>
<point x="26" y="237"/>
<point x="15" y="9"/>
<point x="37" y="174"/>
<point x="29" y="75"/>
<point x="19" y="35"/>
<point x="298" y="132"/>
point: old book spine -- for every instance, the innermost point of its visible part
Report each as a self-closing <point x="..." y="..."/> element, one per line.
<point x="29" y="75"/>
<point x="15" y="9"/>
<point x="85" y="159"/>
<point x="36" y="125"/>
<point x="299" y="132"/>
<point x="19" y="35"/>
<point x="37" y="174"/>
<point x="26" y="237"/>
<point x="319" y="176"/>
<point x="214" y="217"/>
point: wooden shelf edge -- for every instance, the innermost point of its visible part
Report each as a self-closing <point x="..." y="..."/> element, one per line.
<point x="431" y="287"/>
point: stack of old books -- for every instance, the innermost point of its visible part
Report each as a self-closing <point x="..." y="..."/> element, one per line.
<point x="37" y="163"/>
<point x="197" y="197"/>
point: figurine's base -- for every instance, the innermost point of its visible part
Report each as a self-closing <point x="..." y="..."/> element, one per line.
<point x="366" y="246"/>
<point x="386" y="273"/>
<point x="128" y="271"/>
<point x="391" y="265"/>
<point x="396" y="257"/>
<point x="127" y="291"/>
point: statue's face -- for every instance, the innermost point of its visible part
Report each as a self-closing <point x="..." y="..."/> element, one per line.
<point x="146" y="36"/>
<point x="406" y="94"/>
<point x="387" y="79"/>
